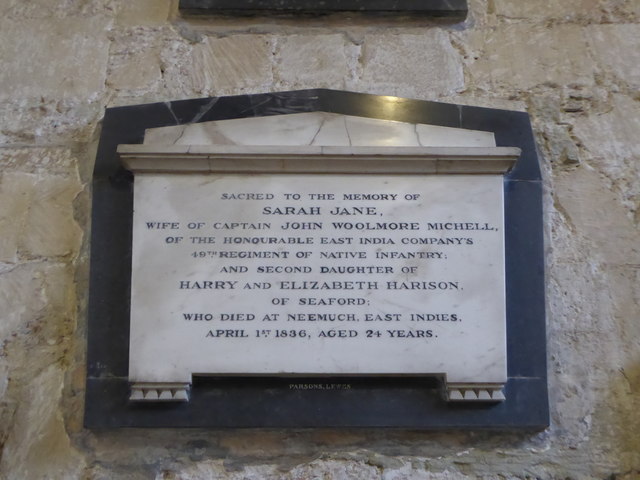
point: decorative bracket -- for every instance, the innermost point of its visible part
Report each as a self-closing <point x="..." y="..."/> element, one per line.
<point x="160" y="392"/>
<point x="475" y="392"/>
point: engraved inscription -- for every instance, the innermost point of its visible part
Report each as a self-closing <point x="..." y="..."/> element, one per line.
<point x="325" y="274"/>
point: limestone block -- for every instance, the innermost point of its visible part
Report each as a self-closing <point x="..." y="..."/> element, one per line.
<point x="137" y="71"/>
<point x="612" y="135"/>
<point x="559" y="146"/>
<point x="409" y="472"/>
<point x="423" y="65"/>
<point x="611" y="141"/>
<point x="143" y="12"/>
<point x="36" y="215"/>
<point x="54" y="121"/>
<point x="569" y="284"/>
<point x="544" y="10"/>
<point x="79" y="48"/>
<point x="38" y="304"/>
<point x="591" y="342"/>
<point x="49" y="160"/>
<point x="232" y="63"/>
<point x="47" y="9"/>
<point x="16" y="192"/>
<point x="621" y="11"/>
<point x="105" y="472"/>
<point x="313" y="61"/>
<point x="49" y="228"/>
<point x="178" y="75"/>
<point x="33" y="292"/>
<point x="343" y="467"/>
<point x="134" y="61"/>
<point x="595" y="212"/>
<point x="338" y="469"/>
<point x="630" y="9"/>
<point x="487" y="101"/>
<point x="617" y="50"/>
<point x="523" y="56"/>
<point x="624" y="282"/>
<point x="38" y="445"/>
<point x="479" y="15"/>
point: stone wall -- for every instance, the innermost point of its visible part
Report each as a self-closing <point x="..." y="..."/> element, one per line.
<point x="574" y="65"/>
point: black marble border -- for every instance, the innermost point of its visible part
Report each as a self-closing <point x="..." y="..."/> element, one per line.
<point x="454" y="9"/>
<point x="269" y="402"/>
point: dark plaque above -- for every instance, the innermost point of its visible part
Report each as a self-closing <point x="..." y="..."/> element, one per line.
<point x="438" y="8"/>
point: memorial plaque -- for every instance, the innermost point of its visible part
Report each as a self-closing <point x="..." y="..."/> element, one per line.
<point x="316" y="259"/>
<point x="318" y="274"/>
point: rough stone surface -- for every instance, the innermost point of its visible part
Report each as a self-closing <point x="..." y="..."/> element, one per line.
<point x="48" y="121"/>
<point x="38" y="445"/>
<point x="419" y="64"/>
<point x="58" y="9"/>
<point x="526" y="56"/>
<point x="324" y="60"/>
<point x="143" y="13"/>
<point x="541" y="10"/>
<point x="573" y="65"/>
<point x="617" y="50"/>
<point x="134" y="61"/>
<point x="605" y="139"/>
<point x="36" y="214"/>
<point x="232" y="63"/>
<point x="16" y="190"/>
<point x="65" y="58"/>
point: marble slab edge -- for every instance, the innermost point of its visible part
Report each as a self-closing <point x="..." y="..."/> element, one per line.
<point x="318" y="159"/>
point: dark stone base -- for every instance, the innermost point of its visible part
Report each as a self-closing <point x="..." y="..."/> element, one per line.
<point x="273" y="402"/>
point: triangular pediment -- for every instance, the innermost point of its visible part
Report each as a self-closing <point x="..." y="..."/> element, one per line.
<point x="317" y="129"/>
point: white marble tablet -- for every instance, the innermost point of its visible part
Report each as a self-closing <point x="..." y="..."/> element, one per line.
<point x="318" y="274"/>
<point x="318" y="244"/>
